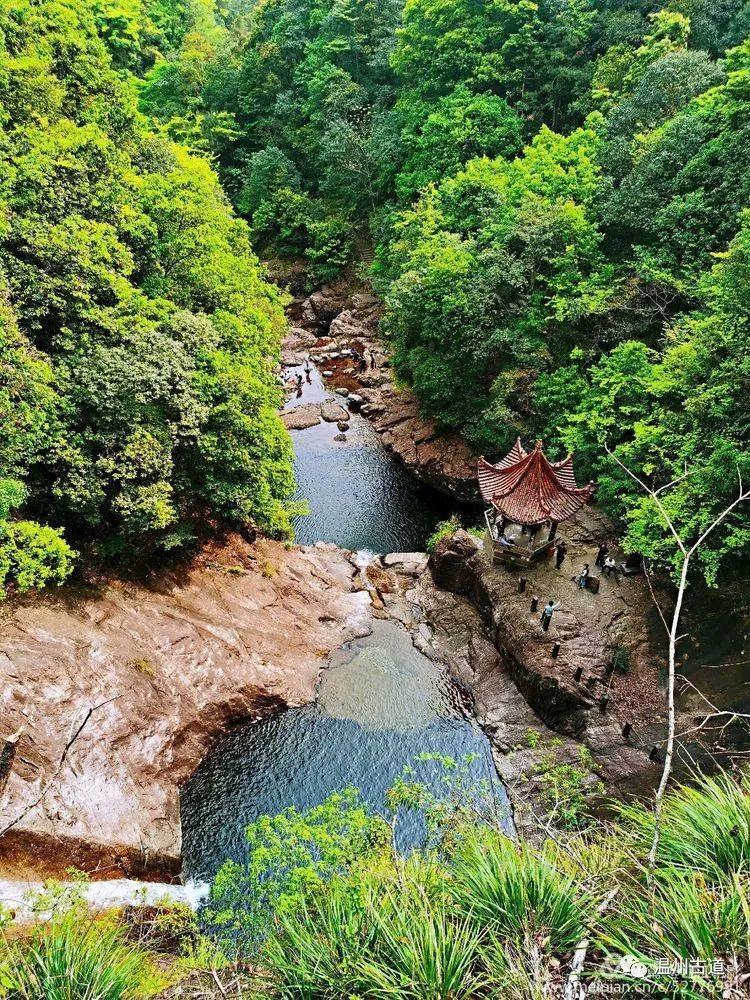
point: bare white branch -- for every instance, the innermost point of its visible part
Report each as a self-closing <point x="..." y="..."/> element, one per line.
<point x="687" y="552"/>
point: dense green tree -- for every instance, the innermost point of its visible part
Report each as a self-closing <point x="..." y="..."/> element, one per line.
<point x="535" y="297"/>
<point x="31" y="554"/>
<point x="684" y="407"/>
<point x="493" y="273"/>
<point x="530" y="53"/>
<point x="137" y="362"/>
<point x="586" y="286"/>
<point x="442" y="136"/>
<point x="688" y="182"/>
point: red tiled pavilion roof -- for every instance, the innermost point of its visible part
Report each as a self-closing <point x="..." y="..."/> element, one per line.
<point x="528" y="489"/>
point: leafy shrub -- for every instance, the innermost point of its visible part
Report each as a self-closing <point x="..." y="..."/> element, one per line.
<point x="490" y="917"/>
<point x="444" y="529"/>
<point x="31" y="554"/>
<point x="290" y="857"/>
<point x="563" y="784"/>
<point x="621" y="659"/>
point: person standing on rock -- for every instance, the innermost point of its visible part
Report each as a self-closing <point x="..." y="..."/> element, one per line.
<point x="547" y="612"/>
<point x="601" y="555"/>
<point x="362" y="364"/>
<point x="561" y="552"/>
<point x="373" y="359"/>
<point x="583" y="577"/>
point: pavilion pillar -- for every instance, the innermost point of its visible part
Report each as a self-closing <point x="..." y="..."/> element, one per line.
<point x="552" y="532"/>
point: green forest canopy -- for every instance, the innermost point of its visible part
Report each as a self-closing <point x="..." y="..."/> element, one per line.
<point x="559" y="195"/>
<point x="137" y="335"/>
<point x="558" y="192"/>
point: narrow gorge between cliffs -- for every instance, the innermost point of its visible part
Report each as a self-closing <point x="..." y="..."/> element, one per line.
<point x="380" y="702"/>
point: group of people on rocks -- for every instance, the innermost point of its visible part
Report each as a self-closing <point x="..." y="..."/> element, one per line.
<point x="361" y="361"/>
<point x="604" y="561"/>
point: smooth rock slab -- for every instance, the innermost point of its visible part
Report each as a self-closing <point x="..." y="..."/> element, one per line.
<point x="333" y="412"/>
<point x="301" y="417"/>
<point x="164" y="670"/>
<point x="410" y="563"/>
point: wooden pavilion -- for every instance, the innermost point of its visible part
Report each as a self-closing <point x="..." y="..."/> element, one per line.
<point x="529" y="492"/>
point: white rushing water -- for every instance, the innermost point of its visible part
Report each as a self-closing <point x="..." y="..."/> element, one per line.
<point x="21" y="897"/>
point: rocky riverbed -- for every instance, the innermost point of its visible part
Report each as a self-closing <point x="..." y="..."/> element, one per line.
<point x="468" y="615"/>
<point x="115" y="694"/>
<point x="326" y="327"/>
<point x="244" y="634"/>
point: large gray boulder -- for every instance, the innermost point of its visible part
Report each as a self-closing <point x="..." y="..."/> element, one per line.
<point x="333" y="412"/>
<point x="301" y="417"/>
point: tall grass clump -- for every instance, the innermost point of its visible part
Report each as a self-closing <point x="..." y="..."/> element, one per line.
<point x="515" y="891"/>
<point x="519" y="970"/>
<point x="705" y="828"/>
<point x="321" y="949"/>
<point x="75" y="959"/>
<point x="423" y="953"/>
<point x="375" y="934"/>
<point x="682" y="917"/>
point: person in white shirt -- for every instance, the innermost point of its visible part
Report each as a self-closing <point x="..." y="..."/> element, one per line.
<point x="550" y="609"/>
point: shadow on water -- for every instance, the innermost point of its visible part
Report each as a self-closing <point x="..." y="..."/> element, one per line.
<point x="380" y="703"/>
<point x="360" y="497"/>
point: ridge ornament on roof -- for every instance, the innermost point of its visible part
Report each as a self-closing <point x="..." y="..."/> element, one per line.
<point x="526" y="488"/>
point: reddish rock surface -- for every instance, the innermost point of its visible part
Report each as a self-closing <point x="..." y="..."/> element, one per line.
<point x="301" y="417"/>
<point x="588" y="626"/>
<point x="166" y="670"/>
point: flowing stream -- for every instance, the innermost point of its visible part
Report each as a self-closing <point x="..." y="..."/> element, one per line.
<point x="380" y="702"/>
<point x="360" y="497"/>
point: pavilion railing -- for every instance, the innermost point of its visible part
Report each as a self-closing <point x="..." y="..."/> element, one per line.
<point x="516" y="555"/>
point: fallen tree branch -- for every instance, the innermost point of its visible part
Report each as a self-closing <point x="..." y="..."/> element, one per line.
<point x="572" y="986"/>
